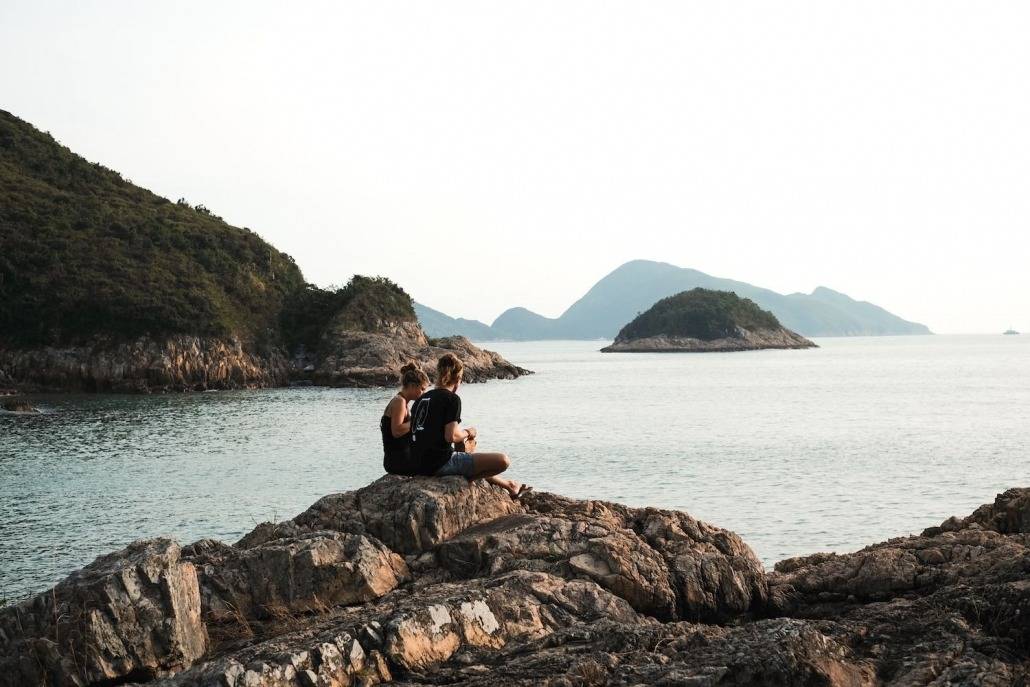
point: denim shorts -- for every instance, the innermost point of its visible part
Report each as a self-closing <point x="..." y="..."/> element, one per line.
<point x="459" y="464"/>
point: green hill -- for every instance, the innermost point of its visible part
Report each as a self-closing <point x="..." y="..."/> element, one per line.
<point x="699" y="314"/>
<point x="105" y="286"/>
<point x="84" y="253"/>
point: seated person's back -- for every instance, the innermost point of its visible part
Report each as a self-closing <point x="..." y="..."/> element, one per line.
<point x="431" y="413"/>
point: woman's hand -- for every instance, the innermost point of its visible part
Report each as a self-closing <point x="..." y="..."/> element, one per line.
<point x="470" y="432"/>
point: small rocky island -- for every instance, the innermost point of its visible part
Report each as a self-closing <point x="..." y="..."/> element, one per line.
<point x="701" y="320"/>
<point x="1011" y="332"/>
<point x="426" y="581"/>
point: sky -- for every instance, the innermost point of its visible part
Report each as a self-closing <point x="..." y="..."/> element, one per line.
<point x="486" y="155"/>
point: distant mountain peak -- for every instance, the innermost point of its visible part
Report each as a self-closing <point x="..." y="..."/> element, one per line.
<point x="636" y="285"/>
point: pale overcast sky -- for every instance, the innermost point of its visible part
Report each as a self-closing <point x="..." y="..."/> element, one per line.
<point x="486" y="155"/>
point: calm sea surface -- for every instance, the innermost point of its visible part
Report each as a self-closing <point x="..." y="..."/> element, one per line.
<point x="797" y="451"/>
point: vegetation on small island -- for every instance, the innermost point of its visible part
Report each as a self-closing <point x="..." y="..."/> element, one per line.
<point x="699" y="314"/>
<point x="84" y="253"/>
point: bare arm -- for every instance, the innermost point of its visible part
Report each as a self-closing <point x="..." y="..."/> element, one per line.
<point x="453" y="432"/>
<point x="396" y="411"/>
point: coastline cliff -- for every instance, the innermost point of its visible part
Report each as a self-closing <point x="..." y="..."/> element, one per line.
<point x="440" y="581"/>
<point x="702" y="320"/>
<point x="105" y="286"/>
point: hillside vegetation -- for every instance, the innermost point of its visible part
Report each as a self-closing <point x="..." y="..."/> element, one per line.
<point x="699" y="314"/>
<point x="84" y="253"/>
<point x="362" y="305"/>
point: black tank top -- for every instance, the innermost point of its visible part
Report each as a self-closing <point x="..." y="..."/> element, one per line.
<point x="396" y="450"/>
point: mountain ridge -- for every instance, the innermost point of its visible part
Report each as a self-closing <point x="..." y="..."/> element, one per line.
<point x="636" y="285"/>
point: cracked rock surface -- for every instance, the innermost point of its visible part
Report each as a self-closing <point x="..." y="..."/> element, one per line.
<point x="428" y="581"/>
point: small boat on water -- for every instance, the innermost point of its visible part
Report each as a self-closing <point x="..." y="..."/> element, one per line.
<point x="1010" y="332"/>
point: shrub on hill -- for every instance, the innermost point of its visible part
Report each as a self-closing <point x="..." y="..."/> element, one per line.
<point x="362" y="305"/>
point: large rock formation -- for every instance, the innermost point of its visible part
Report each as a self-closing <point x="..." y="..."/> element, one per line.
<point x="355" y="351"/>
<point x="438" y="581"/>
<point x="132" y="614"/>
<point x="176" y="363"/>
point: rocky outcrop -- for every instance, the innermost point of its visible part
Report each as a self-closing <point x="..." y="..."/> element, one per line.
<point x="373" y="356"/>
<point x="665" y="564"/>
<point x="185" y="363"/>
<point x="407" y="635"/>
<point x="410" y="516"/>
<point x="307" y="572"/>
<point x="18" y="406"/>
<point x="178" y="363"/>
<point x="133" y="614"/>
<point x="745" y="340"/>
<point x="439" y="581"/>
<point x="990" y="547"/>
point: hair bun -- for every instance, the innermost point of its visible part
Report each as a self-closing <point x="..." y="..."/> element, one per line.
<point x="409" y="366"/>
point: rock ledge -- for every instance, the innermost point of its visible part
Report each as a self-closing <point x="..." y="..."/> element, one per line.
<point x="438" y="581"/>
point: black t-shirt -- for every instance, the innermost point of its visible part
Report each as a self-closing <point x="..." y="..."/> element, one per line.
<point x="433" y="411"/>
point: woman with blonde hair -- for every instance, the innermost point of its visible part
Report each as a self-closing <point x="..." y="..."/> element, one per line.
<point x="395" y="425"/>
<point x="436" y="427"/>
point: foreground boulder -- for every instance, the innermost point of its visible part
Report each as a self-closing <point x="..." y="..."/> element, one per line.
<point x="308" y="572"/>
<point x="132" y="614"/>
<point x="426" y="581"/>
<point x="413" y="634"/>
<point x="987" y="548"/>
<point x="408" y="515"/>
<point x="664" y="563"/>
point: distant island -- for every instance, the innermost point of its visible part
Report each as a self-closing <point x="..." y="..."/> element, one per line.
<point x="1010" y="332"/>
<point x="703" y="320"/>
<point x="639" y="284"/>
<point x="105" y="286"/>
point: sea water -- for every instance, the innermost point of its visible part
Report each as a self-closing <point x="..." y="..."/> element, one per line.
<point x="827" y="449"/>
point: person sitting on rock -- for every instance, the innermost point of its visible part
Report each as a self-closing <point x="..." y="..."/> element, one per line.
<point x="395" y="424"/>
<point x="436" y="426"/>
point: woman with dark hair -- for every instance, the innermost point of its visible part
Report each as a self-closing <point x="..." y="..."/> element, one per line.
<point x="436" y="427"/>
<point x="395" y="425"/>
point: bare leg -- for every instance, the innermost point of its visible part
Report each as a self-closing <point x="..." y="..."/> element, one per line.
<point x="489" y="465"/>
<point x="511" y="485"/>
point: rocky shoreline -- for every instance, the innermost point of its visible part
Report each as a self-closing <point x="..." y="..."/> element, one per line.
<point x="746" y="340"/>
<point x="189" y="363"/>
<point x="177" y="363"/>
<point x="437" y="581"/>
<point x="361" y="358"/>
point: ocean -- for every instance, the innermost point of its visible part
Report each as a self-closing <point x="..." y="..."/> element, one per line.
<point x="828" y="449"/>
